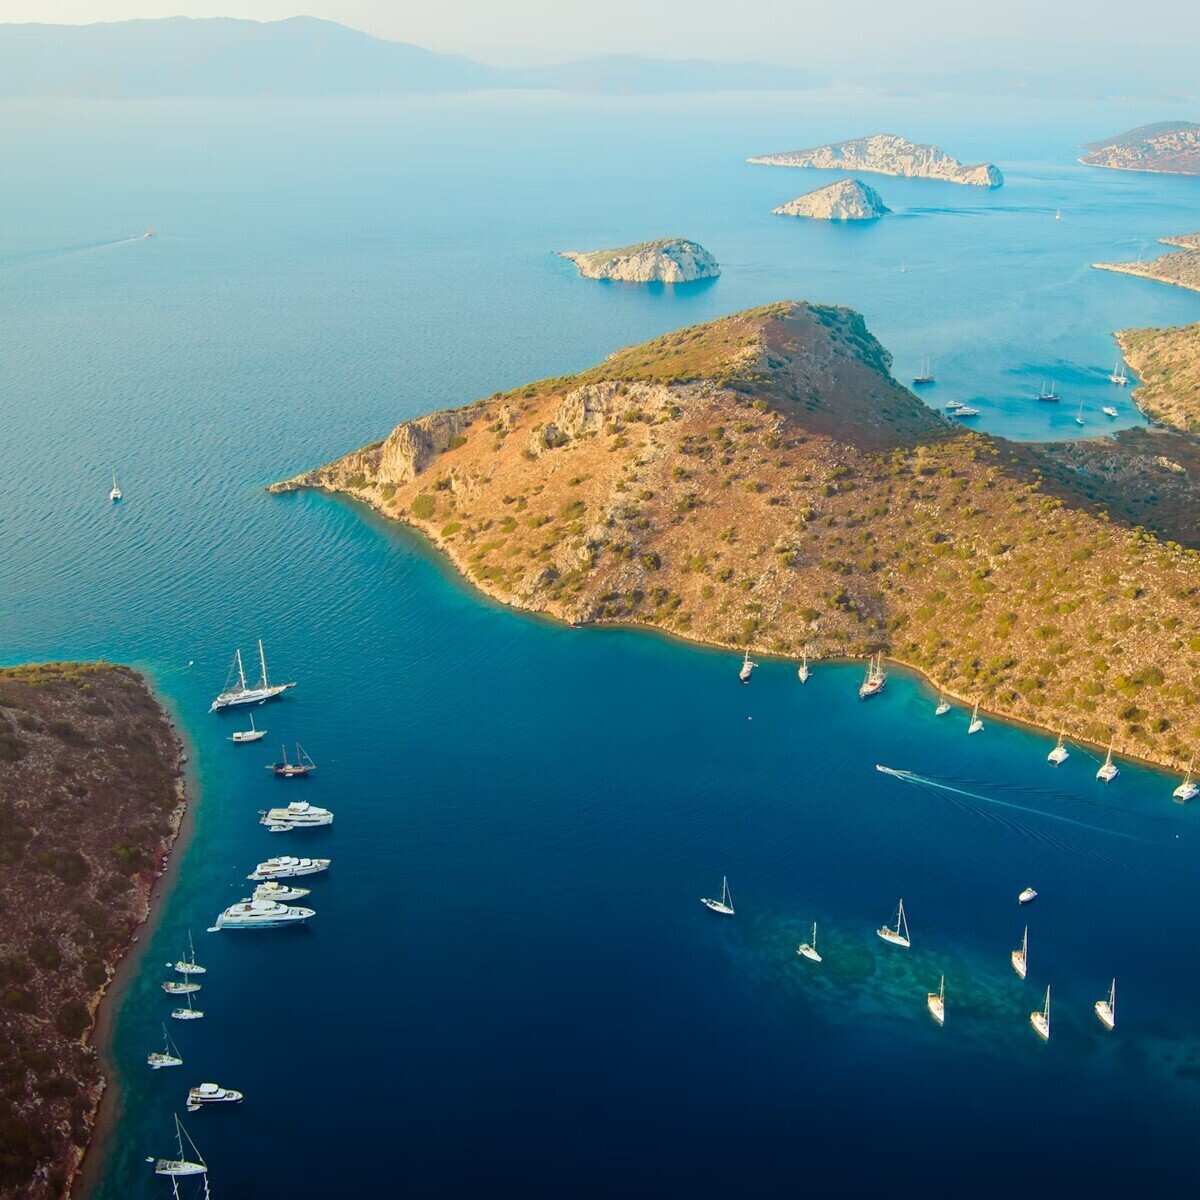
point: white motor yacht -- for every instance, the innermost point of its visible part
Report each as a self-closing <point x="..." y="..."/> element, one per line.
<point x="279" y="893"/>
<point x="211" y="1093"/>
<point x="297" y="815"/>
<point x="1026" y="896"/>
<point x="287" y="867"/>
<point x="260" y="914"/>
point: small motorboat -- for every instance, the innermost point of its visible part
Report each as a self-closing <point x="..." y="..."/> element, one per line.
<point x="1109" y="411"/>
<point x="211" y="1093"/>
<point x="1026" y="896"/>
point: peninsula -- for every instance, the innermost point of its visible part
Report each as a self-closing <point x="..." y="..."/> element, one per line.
<point x="668" y="260"/>
<point x="846" y="200"/>
<point x="1180" y="268"/>
<point x="91" y="798"/>
<point x="762" y="481"/>
<point x="1168" y="363"/>
<point x="1170" y="147"/>
<point x="886" y="154"/>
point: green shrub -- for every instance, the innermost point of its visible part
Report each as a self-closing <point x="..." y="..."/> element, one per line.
<point x="72" y="1019"/>
<point x="423" y="507"/>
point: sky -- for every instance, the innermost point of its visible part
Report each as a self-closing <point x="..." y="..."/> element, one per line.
<point x="796" y="32"/>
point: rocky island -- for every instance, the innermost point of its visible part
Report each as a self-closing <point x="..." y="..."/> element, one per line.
<point x="846" y="200"/>
<point x="90" y="801"/>
<point x="1180" y="267"/>
<point x="762" y="481"/>
<point x="668" y="260"/>
<point x="1170" y="147"/>
<point x="886" y="154"/>
<point x="1168" y="363"/>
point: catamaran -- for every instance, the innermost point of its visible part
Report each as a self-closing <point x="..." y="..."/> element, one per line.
<point x="115" y="494"/>
<point x="1041" y="1020"/>
<point x="187" y="1014"/>
<point x="747" y="668"/>
<point x="243" y="693"/>
<point x="936" y="1003"/>
<point x="180" y="1165"/>
<point x="167" y="1057"/>
<point x="298" y="815"/>
<point x="188" y="966"/>
<point x="1020" y="958"/>
<point x="1187" y="790"/>
<point x="1048" y="392"/>
<point x="1118" y="376"/>
<point x="809" y="949"/>
<point x="248" y="735"/>
<point x="926" y="376"/>
<point x="943" y="706"/>
<point x="1059" y="754"/>
<point x="803" y="671"/>
<point x="1108" y="770"/>
<point x="976" y="724"/>
<point x="287" y="867"/>
<point x="260" y="914"/>
<point x="724" y="906"/>
<point x="211" y="1093"/>
<point x="899" y="935"/>
<point x="297" y="770"/>
<point x="875" y="680"/>
<point x="1106" y="1010"/>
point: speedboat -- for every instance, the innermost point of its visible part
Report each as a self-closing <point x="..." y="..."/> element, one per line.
<point x="279" y="893"/>
<point x="211" y="1093"/>
<point x="298" y="815"/>
<point x="260" y="914"/>
<point x="1027" y="895"/>
<point x="287" y="867"/>
<point x="1109" y="411"/>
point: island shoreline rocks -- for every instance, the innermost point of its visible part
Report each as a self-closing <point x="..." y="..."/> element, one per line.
<point x="1178" y="268"/>
<point x="1163" y="148"/>
<point x="887" y="154"/>
<point x="846" y="200"/>
<point x="668" y="260"/>
<point x="708" y="484"/>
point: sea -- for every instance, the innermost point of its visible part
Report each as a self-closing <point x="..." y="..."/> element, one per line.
<point x="510" y="988"/>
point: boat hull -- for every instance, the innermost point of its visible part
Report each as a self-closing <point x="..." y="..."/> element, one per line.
<point x="937" y="1008"/>
<point x="1105" y="1014"/>
<point x="808" y="952"/>
<point x="1041" y="1026"/>
<point x="724" y="910"/>
<point x="896" y="939"/>
<point x="249" y="696"/>
<point x="1018" y="963"/>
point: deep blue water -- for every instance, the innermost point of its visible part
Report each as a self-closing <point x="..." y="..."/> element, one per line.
<point x="510" y="989"/>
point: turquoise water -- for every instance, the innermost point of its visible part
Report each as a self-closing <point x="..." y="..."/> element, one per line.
<point x="509" y="988"/>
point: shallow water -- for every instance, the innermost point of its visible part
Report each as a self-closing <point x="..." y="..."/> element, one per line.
<point x="509" y="988"/>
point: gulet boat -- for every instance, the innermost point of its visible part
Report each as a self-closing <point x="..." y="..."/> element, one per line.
<point x="242" y="693"/>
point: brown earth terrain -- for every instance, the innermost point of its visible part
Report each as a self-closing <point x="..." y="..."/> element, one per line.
<point x="762" y="481"/>
<point x="1172" y="147"/>
<point x="1180" y="268"/>
<point x="90" y="802"/>
<point x="1168" y="363"/>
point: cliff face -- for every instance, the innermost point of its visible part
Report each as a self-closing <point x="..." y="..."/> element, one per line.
<point x="669" y="260"/>
<point x="763" y="481"/>
<point x="846" y="200"/>
<point x="886" y="154"/>
<point x="1172" y="147"/>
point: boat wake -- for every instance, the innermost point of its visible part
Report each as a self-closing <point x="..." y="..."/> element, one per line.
<point x="35" y="257"/>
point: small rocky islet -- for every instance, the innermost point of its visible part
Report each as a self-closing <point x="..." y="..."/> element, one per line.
<point x="667" y="260"/>
<point x="846" y="200"/>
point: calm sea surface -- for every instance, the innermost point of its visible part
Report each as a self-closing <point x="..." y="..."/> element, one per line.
<point x="510" y="988"/>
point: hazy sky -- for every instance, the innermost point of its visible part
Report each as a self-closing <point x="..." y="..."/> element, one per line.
<point x="803" y="32"/>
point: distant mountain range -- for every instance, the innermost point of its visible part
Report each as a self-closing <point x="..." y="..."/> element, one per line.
<point x="304" y="56"/>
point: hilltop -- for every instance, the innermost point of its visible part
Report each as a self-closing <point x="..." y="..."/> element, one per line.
<point x="1180" y="267"/>
<point x="846" y="200"/>
<point x="763" y="481"/>
<point x="1168" y="146"/>
<point x="1168" y="363"/>
<point x="887" y="154"/>
<point x="90" y="801"/>
<point x="668" y="260"/>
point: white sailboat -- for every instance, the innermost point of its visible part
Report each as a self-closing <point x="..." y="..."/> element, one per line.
<point x="1187" y="790"/>
<point x="1118" y="376"/>
<point x="243" y="693"/>
<point x="747" y="668"/>
<point x="724" y="906"/>
<point x="1059" y="754"/>
<point x="1020" y="958"/>
<point x="115" y="494"/>
<point x="899" y="935"/>
<point x="936" y="1003"/>
<point x="1041" y="1020"/>
<point x="1058" y="214"/>
<point x="180" y="987"/>
<point x="943" y="706"/>
<point x="926" y="376"/>
<point x="976" y="724"/>
<point x="1079" y="415"/>
<point x="1108" y="770"/>
<point x="875" y="681"/>
<point x="1048" y="392"/>
<point x="809" y="949"/>
<point x="187" y="1014"/>
<point x="249" y="735"/>
<point x="167" y="1057"/>
<point x="188" y="966"/>
<point x="803" y="671"/>
<point x="181" y="1165"/>
<point x="1106" y="1010"/>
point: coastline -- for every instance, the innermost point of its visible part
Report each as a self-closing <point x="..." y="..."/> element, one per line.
<point x="481" y="586"/>
<point x="1128" y="269"/>
<point x="1135" y="170"/>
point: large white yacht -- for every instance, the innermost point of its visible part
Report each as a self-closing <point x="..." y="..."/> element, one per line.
<point x="260" y="914"/>
<point x="287" y="867"/>
<point x="211" y="1093"/>
<point x="241" y="693"/>
<point x="298" y="815"/>
<point x="278" y="892"/>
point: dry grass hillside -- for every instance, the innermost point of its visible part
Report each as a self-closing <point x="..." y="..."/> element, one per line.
<point x="1168" y="363"/>
<point x="762" y="481"/>
<point x="89" y="804"/>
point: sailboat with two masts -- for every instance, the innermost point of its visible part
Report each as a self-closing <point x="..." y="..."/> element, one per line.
<point x="809" y="949"/>
<point x="1119" y="376"/>
<point x="1106" y="1010"/>
<point x="1020" y="958"/>
<point x="1041" y="1020"/>
<point x="1188" y="789"/>
<point x="1048" y="393"/>
<point x="899" y="935"/>
<point x="875" y="681"/>
<point x="926" y="376"/>
<point x="1108" y="770"/>
<point x="936" y="1003"/>
<point x="242" y="693"/>
<point x="724" y="906"/>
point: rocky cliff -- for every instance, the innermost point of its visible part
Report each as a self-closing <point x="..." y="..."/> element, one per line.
<point x="669" y="260"/>
<point x="846" y="200"/>
<point x="886" y="154"/>
<point x="1172" y="147"/>
<point x="763" y="481"/>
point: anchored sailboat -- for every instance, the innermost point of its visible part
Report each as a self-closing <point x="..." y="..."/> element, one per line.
<point x="297" y="770"/>
<point x="115" y="494"/>
<point x="181" y="1165"/>
<point x="244" y="694"/>
<point x="724" y="906"/>
<point x="936" y="1003"/>
<point x="187" y="1014"/>
<point x="926" y="376"/>
<point x="1187" y="790"/>
<point x="249" y="735"/>
<point x="1020" y="958"/>
<point x="1079" y="415"/>
<point x="747" y="668"/>
<point x="803" y="671"/>
<point x="899" y="935"/>
<point x="1106" y="1010"/>
<point x="943" y="705"/>
<point x="809" y="949"/>
<point x="1118" y="376"/>
<point x="1041" y="1020"/>
<point x="1048" y="392"/>
<point x="1059" y="754"/>
<point x="188" y="966"/>
<point x="976" y="724"/>
<point x="1108" y="770"/>
<point x="875" y="680"/>
<point x="167" y="1057"/>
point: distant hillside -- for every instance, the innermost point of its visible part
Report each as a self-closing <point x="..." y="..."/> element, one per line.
<point x="1180" y="268"/>
<point x="304" y="56"/>
<point x="1168" y="363"/>
<point x="763" y="481"/>
<point x="1172" y="147"/>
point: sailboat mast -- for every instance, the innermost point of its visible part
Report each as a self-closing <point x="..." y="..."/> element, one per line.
<point x="262" y="658"/>
<point x="241" y="669"/>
